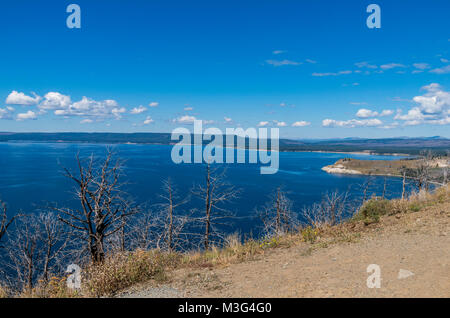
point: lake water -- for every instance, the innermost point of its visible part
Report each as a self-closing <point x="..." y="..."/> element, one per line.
<point x="31" y="176"/>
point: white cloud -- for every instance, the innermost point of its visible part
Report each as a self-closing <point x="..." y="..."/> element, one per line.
<point x="188" y="108"/>
<point x="387" y="112"/>
<point x="421" y="66"/>
<point x="87" y="107"/>
<point x="282" y="62"/>
<point x="432" y="108"/>
<point x="153" y="104"/>
<point x="281" y="123"/>
<point x="25" y="116"/>
<point x="148" y="120"/>
<point x="301" y="123"/>
<point x="444" y="60"/>
<point x="55" y="100"/>
<point x="352" y="123"/>
<point x="6" y="113"/>
<point x="16" y="98"/>
<point x="366" y="65"/>
<point x="366" y="113"/>
<point x="263" y="123"/>
<point x="228" y="120"/>
<point x="138" y="110"/>
<point x="391" y="65"/>
<point x="332" y="74"/>
<point x="441" y="70"/>
<point x="186" y="119"/>
<point x="86" y="121"/>
<point x="311" y="61"/>
<point x="276" y="52"/>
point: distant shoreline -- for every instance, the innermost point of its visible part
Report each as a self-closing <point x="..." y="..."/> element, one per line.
<point x="367" y="153"/>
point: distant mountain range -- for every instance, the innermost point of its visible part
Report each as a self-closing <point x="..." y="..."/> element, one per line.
<point x="402" y="145"/>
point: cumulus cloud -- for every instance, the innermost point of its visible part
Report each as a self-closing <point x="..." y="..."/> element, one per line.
<point x="17" y="98"/>
<point x="186" y="119"/>
<point x="148" y="120"/>
<point x="26" y="116"/>
<point x="263" y="123"/>
<point x="6" y="113"/>
<point x="86" y="107"/>
<point x="281" y="123"/>
<point x="301" y="123"/>
<point x="138" y="110"/>
<point x="367" y="113"/>
<point x="352" y="123"/>
<point x="387" y="112"/>
<point x="153" y="104"/>
<point x="228" y="120"/>
<point x="86" y="121"/>
<point x="432" y="108"/>
<point x="54" y="101"/>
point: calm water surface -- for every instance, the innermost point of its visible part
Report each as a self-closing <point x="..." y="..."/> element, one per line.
<point x="31" y="176"/>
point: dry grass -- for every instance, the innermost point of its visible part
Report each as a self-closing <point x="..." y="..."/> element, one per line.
<point x="123" y="270"/>
<point x="382" y="167"/>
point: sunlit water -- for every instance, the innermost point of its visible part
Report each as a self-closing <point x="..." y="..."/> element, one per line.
<point x="31" y="177"/>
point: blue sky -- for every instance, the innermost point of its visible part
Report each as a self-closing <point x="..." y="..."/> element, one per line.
<point x="312" y="68"/>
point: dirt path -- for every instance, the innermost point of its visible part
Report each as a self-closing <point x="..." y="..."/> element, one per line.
<point x="417" y="242"/>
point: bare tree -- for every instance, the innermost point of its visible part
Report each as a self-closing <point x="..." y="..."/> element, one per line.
<point x="5" y="222"/>
<point x="36" y="248"/>
<point x="214" y="193"/>
<point x="103" y="204"/>
<point x="145" y="230"/>
<point x="404" y="172"/>
<point x="54" y="237"/>
<point x="172" y="235"/>
<point x="277" y="215"/>
<point x="330" y="211"/>
<point x="366" y="187"/>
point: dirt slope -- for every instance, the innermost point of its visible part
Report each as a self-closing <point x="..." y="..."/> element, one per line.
<point x="416" y="242"/>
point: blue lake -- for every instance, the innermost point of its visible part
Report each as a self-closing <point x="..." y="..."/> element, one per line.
<point x="31" y="176"/>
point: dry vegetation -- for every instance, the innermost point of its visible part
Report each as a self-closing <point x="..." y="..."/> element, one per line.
<point x="390" y="167"/>
<point x="122" y="270"/>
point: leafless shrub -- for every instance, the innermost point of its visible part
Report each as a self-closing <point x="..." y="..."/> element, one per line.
<point x="277" y="215"/>
<point x="5" y="222"/>
<point x="215" y="192"/>
<point x="36" y="249"/>
<point x="330" y="211"/>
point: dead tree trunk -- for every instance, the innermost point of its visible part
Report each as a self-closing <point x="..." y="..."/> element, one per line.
<point x="214" y="193"/>
<point x="103" y="206"/>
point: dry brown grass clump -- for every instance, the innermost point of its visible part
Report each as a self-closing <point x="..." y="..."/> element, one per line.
<point x="123" y="270"/>
<point x="4" y="292"/>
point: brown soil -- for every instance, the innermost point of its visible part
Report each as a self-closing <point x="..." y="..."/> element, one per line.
<point x="417" y="242"/>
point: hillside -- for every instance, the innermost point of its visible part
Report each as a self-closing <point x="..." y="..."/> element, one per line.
<point x="412" y="146"/>
<point x="410" y="248"/>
